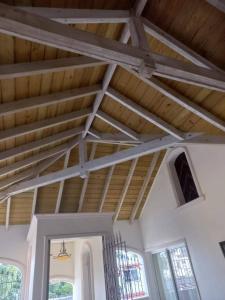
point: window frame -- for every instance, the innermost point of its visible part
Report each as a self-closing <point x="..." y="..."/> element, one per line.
<point x="177" y="190"/>
<point x="21" y="267"/>
<point x="141" y="254"/>
<point x="167" y="247"/>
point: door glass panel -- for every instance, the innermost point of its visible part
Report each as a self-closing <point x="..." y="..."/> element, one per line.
<point x="164" y="276"/>
<point x="183" y="274"/>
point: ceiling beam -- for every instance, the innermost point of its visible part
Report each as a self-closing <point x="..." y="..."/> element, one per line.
<point x="50" y="99"/>
<point x="106" y="184"/>
<point x="145" y="114"/>
<point x="181" y="71"/>
<point x="124" y="38"/>
<point x="43" y="124"/>
<point x="17" y="70"/>
<point x="176" y="45"/>
<point x="8" y="213"/>
<point x="79" y="16"/>
<point x="21" y="164"/>
<point x="183" y="101"/>
<point x="116" y="124"/>
<point x="61" y="185"/>
<point x="85" y="182"/>
<point x="31" y="172"/>
<point x="96" y="164"/>
<point x="144" y="186"/>
<point x="34" y="202"/>
<point x="41" y="30"/>
<point x="37" y="144"/>
<point x="219" y="4"/>
<point x="125" y="189"/>
<point x="186" y="103"/>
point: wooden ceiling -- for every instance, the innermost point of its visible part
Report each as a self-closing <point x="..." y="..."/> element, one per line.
<point x="196" y="24"/>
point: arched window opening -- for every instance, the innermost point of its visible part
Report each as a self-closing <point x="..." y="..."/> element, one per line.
<point x="60" y="290"/>
<point x="10" y="282"/>
<point x="185" y="178"/>
<point x="132" y="278"/>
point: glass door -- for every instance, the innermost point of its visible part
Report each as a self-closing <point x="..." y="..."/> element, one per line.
<point x="174" y="273"/>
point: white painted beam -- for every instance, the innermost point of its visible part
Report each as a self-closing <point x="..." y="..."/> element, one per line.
<point x="186" y="103"/>
<point x="96" y="164"/>
<point x="34" y="202"/>
<point x="18" y="165"/>
<point x="17" y="70"/>
<point x="43" y="124"/>
<point x="85" y="182"/>
<point x="182" y="100"/>
<point x="8" y="213"/>
<point x="131" y="105"/>
<point x="33" y="171"/>
<point x="180" y="71"/>
<point x="41" y="30"/>
<point x="61" y="185"/>
<point x="125" y="189"/>
<point x="83" y="157"/>
<point x="116" y="124"/>
<point x="144" y="186"/>
<point x="50" y="99"/>
<point x="176" y="45"/>
<point x="79" y="16"/>
<point x="107" y="184"/>
<point x="37" y="144"/>
<point x="219" y="4"/>
<point x="124" y="38"/>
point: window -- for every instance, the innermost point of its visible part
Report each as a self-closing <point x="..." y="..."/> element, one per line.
<point x="132" y="280"/>
<point x="10" y="282"/>
<point x="174" y="273"/>
<point x="183" y="177"/>
<point x="60" y="290"/>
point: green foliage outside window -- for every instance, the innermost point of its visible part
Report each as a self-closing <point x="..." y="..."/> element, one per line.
<point x="60" y="289"/>
<point x="10" y="282"/>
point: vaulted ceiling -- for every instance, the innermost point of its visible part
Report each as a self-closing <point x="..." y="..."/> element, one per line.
<point x="68" y="97"/>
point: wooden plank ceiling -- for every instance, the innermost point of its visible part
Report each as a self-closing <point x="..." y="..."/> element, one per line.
<point x="195" y="23"/>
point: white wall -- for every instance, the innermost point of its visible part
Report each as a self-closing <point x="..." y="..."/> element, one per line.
<point x="201" y="223"/>
<point x="13" y="245"/>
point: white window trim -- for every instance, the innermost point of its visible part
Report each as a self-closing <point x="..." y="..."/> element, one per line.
<point x="172" y="155"/>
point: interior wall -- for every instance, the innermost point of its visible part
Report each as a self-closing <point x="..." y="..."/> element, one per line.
<point x="13" y="243"/>
<point x="200" y="223"/>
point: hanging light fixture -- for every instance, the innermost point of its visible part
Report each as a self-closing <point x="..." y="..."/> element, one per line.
<point x="63" y="254"/>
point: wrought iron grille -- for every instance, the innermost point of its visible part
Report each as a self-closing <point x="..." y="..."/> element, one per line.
<point x="123" y="271"/>
<point x="10" y="282"/>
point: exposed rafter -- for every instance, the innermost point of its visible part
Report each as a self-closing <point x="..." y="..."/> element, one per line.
<point x="43" y="124"/>
<point x="144" y="113"/>
<point x="96" y="164"/>
<point x="85" y="182"/>
<point x="41" y="30"/>
<point x="8" y="213"/>
<point x="219" y="4"/>
<point x="176" y="45"/>
<point x="118" y="125"/>
<point x="183" y="101"/>
<point x="80" y="16"/>
<point x="42" y="67"/>
<point x="41" y="101"/>
<point x="106" y="184"/>
<point x="144" y="186"/>
<point x="61" y="185"/>
<point x="125" y="189"/>
<point x="37" y="144"/>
